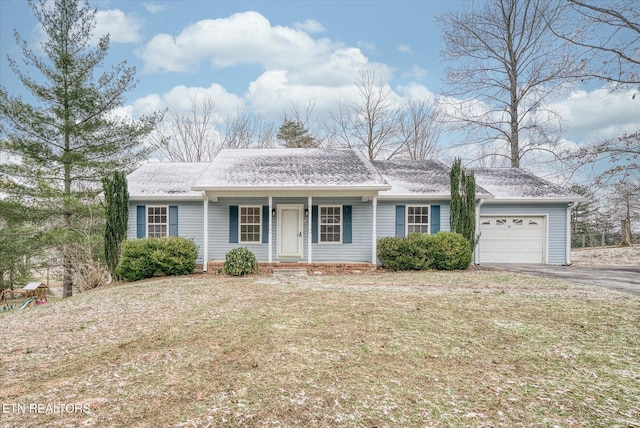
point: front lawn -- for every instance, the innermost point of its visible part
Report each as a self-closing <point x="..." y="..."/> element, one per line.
<point x="475" y="348"/>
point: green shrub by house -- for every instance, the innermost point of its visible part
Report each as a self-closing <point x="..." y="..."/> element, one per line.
<point x="142" y="258"/>
<point x="419" y="251"/>
<point x="450" y="251"/>
<point x="401" y="254"/>
<point x="240" y="261"/>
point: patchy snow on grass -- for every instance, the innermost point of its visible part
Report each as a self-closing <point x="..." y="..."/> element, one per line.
<point x="606" y="256"/>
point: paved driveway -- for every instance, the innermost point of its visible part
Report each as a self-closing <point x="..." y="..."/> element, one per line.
<point x="619" y="278"/>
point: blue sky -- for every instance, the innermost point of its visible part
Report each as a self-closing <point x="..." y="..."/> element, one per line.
<point x="266" y="55"/>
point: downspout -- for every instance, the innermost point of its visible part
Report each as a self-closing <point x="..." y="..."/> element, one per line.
<point x="309" y="230"/>
<point x="270" y="239"/>
<point x="475" y="250"/>
<point x="374" y="235"/>
<point x="205" y="255"/>
<point x="570" y="206"/>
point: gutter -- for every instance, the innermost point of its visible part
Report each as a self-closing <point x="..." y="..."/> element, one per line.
<point x="567" y="259"/>
<point x="476" y="254"/>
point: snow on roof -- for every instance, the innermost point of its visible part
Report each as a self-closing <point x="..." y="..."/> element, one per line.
<point x="417" y="178"/>
<point x="515" y="183"/>
<point x="305" y="168"/>
<point x="165" y="180"/>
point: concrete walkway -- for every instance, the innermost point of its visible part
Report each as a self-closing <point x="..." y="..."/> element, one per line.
<point x="619" y="278"/>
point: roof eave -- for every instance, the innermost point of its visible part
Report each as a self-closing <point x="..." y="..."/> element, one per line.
<point x="534" y="200"/>
<point x="276" y="188"/>
<point x="425" y="197"/>
<point x="145" y="198"/>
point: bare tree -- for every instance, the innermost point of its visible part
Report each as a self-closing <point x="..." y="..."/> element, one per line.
<point x="625" y="204"/>
<point x="609" y="34"/>
<point x="189" y="135"/>
<point x="505" y="63"/>
<point x="246" y="130"/>
<point x="370" y="123"/>
<point x="421" y="126"/>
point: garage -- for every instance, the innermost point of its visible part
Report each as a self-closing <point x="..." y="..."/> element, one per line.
<point x="512" y="239"/>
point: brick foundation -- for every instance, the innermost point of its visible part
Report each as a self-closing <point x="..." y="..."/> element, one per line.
<point x="264" y="268"/>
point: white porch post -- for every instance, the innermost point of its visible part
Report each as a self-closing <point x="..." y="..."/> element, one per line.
<point x="205" y="246"/>
<point x="309" y="231"/>
<point x="270" y="229"/>
<point x="374" y="235"/>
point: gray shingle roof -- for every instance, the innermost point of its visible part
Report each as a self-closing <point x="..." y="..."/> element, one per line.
<point x="165" y="180"/>
<point x="515" y="183"/>
<point x="287" y="168"/>
<point x="255" y="169"/>
<point x="413" y="178"/>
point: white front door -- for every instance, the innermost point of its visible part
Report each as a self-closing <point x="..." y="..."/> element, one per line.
<point x="290" y="240"/>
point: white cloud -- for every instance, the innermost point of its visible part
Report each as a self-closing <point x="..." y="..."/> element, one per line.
<point x="120" y="27"/>
<point x="406" y="49"/>
<point x="241" y="38"/>
<point x="310" y="26"/>
<point x="180" y="98"/>
<point x="416" y="72"/>
<point x="154" y="8"/>
<point x="599" y="114"/>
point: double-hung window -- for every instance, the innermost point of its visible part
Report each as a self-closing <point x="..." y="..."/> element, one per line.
<point x="417" y="218"/>
<point x="250" y="224"/>
<point x="157" y="222"/>
<point x="330" y="224"/>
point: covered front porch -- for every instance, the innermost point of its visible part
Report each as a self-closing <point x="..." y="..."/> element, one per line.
<point x="327" y="232"/>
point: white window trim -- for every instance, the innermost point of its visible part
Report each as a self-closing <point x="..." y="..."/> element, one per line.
<point x="259" y="241"/>
<point x="155" y="224"/>
<point x="406" y="218"/>
<point x="320" y="241"/>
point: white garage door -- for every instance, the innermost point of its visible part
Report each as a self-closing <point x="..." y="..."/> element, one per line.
<point x="511" y="239"/>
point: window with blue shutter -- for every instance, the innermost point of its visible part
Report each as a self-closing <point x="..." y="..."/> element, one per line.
<point x="141" y="221"/>
<point x="314" y="224"/>
<point x="265" y="223"/>
<point x="346" y="224"/>
<point x="173" y="220"/>
<point x="233" y="224"/>
<point x="400" y="220"/>
<point x="435" y="219"/>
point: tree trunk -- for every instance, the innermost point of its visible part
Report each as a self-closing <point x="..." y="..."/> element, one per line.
<point x="625" y="230"/>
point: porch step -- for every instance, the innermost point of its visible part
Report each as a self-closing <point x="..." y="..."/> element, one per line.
<point x="289" y="272"/>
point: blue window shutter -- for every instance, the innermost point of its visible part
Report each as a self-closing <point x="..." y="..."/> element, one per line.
<point x="400" y="220"/>
<point x="233" y="224"/>
<point x="435" y="218"/>
<point x="265" y="224"/>
<point x="141" y="221"/>
<point x="314" y="224"/>
<point x="346" y="224"/>
<point x="173" y="220"/>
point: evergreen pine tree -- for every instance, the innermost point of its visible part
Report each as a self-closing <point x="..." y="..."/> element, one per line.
<point x="69" y="138"/>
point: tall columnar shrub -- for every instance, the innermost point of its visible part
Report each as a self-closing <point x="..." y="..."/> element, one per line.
<point x="463" y="203"/>
<point x="116" y="198"/>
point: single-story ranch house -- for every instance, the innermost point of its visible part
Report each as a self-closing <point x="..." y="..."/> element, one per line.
<point x="317" y="207"/>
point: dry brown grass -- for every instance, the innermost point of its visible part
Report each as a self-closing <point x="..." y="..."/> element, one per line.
<point x="606" y="256"/>
<point x="476" y="348"/>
